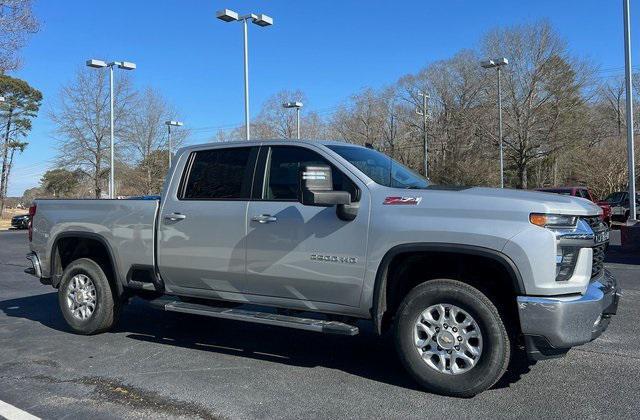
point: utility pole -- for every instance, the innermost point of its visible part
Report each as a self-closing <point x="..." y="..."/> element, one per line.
<point x="425" y="144"/>
<point x="497" y="63"/>
<point x="629" y="98"/>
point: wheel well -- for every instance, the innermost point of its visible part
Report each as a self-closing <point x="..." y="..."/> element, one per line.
<point x="70" y="248"/>
<point x="408" y="269"/>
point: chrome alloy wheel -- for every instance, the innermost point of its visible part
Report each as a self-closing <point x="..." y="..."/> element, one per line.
<point x="81" y="297"/>
<point x="448" y="339"/>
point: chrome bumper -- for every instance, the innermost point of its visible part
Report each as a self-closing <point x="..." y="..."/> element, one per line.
<point x="552" y="325"/>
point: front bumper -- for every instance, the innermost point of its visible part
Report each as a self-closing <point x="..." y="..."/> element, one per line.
<point x="552" y="325"/>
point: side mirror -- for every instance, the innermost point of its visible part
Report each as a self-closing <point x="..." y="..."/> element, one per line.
<point x="316" y="188"/>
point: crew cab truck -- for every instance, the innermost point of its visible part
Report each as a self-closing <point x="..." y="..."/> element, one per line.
<point x="318" y="235"/>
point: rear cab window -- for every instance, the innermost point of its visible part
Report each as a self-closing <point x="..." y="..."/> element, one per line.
<point x="219" y="174"/>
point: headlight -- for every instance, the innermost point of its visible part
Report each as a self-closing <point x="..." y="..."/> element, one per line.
<point x="553" y="220"/>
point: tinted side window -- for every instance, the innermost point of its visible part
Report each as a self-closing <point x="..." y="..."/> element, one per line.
<point x="281" y="179"/>
<point x="219" y="174"/>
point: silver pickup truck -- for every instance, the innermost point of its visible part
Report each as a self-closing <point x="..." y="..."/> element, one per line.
<point x="324" y="236"/>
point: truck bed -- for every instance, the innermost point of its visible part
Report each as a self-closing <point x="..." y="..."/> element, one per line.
<point x="127" y="227"/>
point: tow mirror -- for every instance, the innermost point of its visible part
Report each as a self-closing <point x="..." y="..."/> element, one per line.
<point x="316" y="188"/>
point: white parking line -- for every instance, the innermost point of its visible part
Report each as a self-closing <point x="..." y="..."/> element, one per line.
<point x="10" y="412"/>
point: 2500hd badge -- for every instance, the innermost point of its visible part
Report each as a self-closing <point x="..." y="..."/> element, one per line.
<point x="334" y="258"/>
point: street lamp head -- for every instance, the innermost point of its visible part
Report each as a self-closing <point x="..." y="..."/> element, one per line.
<point x="487" y="64"/>
<point x="263" y="20"/>
<point x="227" y="15"/>
<point x="174" y="123"/>
<point x="292" y="105"/>
<point x="496" y="62"/>
<point x="96" y="64"/>
<point x="127" y="65"/>
<point x="1" y="98"/>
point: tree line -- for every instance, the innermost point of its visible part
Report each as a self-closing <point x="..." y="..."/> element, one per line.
<point x="563" y="120"/>
<point x="563" y="117"/>
<point x="82" y="132"/>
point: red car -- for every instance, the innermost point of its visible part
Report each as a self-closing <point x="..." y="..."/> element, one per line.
<point x="583" y="192"/>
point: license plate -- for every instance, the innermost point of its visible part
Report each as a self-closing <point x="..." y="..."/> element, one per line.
<point x="602" y="237"/>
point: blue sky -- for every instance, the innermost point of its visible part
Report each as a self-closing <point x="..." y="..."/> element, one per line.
<point x="329" y="49"/>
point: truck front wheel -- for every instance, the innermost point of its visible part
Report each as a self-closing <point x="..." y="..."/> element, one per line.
<point x="451" y="338"/>
<point x="86" y="299"/>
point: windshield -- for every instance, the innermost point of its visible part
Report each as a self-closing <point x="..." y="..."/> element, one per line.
<point x="381" y="168"/>
<point x="615" y="197"/>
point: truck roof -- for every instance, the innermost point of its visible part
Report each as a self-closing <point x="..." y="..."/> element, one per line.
<point x="271" y="142"/>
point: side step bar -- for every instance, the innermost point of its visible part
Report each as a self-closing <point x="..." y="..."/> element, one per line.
<point x="317" y="325"/>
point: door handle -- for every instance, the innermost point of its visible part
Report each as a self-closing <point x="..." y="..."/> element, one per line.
<point x="264" y="218"/>
<point x="174" y="217"/>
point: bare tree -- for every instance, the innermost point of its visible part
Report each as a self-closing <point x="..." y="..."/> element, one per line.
<point x="82" y="123"/>
<point x="543" y="90"/>
<point x="276" y="122"/>
<point x="611" y="97"/>
<point x="145" y="136"/>
<point x="361" y="121"/>
<point x="17" y="22"/>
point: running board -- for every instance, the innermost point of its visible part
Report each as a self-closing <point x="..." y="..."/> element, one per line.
<point x="308" y="324"/>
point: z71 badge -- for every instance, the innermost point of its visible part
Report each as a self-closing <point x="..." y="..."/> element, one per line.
<point x="334" y="258"/>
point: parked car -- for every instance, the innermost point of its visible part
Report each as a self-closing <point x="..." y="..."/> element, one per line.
<point x="583" y="192"/>
<point x="347" y="234"/>
<point x="619" y="202"/>
<point x="20" y="221"/>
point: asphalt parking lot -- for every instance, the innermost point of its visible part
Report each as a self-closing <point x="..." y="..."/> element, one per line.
<point x="166" y="365"/>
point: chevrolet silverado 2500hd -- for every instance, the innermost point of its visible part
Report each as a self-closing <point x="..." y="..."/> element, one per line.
<point x="319" y="235"/>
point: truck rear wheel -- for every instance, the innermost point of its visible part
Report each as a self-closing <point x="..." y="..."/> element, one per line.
<point x="451" y="338"/>
<point x="86" y="299"/>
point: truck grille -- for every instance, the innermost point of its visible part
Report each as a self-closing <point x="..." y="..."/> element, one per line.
<point x="598" y="250"/>
<point x="594" y="222"/>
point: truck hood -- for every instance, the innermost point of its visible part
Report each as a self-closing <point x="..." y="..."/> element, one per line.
<point x="496" y="202"/>
<point x="533" y="201"/>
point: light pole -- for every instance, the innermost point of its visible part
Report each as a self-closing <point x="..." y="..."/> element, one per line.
<point x="227" y="15"/>
<point x="169" y="125"/>
<point x="498" y="63"/>
<point x="423" y="112"/>
<point x="125" y="65"/>
<point x="629" y="95"/>
<point x="297" y="106"/>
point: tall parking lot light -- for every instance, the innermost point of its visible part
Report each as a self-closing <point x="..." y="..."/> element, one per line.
<point x="227" y="15"/>
<point x="425" y="145"/>
<point x="297" y="106"/>
<point x="497" y="64"/>
<point x="629" y="102"/>
<point x="125" y="65"/>
<point x="169" y="125"/>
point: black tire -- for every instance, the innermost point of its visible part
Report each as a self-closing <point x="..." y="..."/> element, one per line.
<point x="107" y="307"/>
<point x="496" y="347"/>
